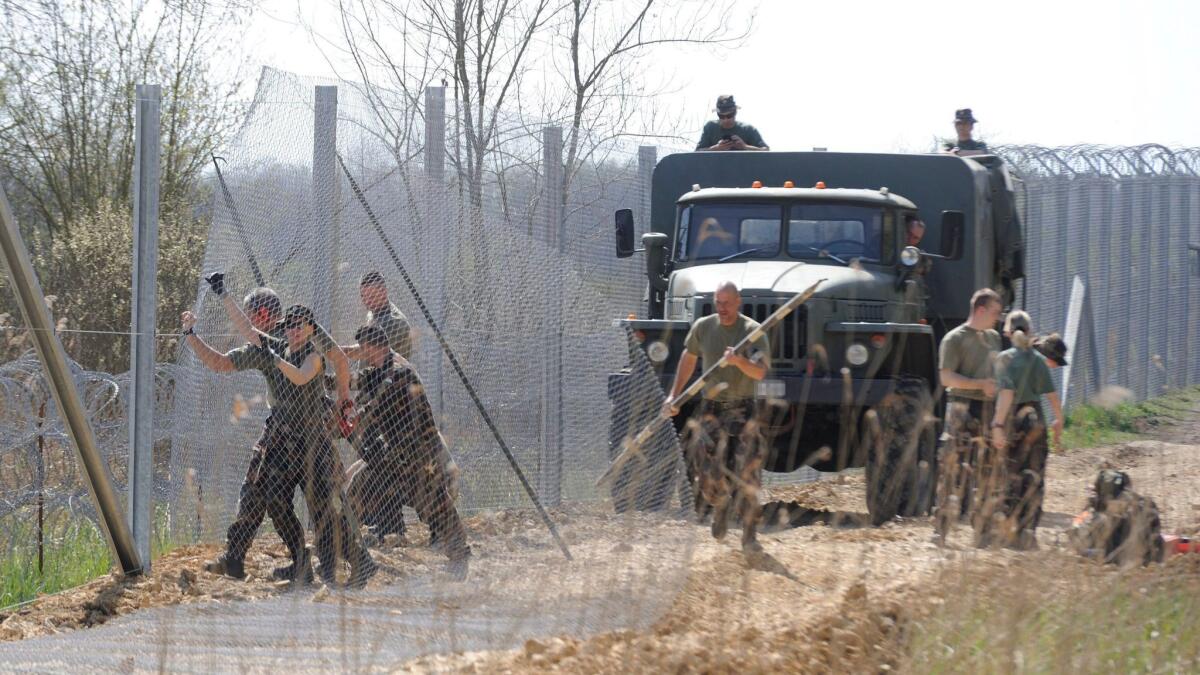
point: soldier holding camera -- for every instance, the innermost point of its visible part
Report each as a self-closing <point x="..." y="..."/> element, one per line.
<point x="726" y="133"/>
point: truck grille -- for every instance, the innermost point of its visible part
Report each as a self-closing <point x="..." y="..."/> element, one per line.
<point x="788" y="346"/>
<point x="865" y="311"/>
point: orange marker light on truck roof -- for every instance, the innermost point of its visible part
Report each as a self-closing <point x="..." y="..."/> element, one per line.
<point x="756" y="184"/>
<point x="820" y="185"/>
<point x="788" y="184"/>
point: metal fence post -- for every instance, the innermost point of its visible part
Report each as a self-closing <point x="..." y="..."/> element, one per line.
<point x="325" y="194"/>
<point x="144" y="287"/>
<point x="435" y="172"/>
<point x="551" y="459"/>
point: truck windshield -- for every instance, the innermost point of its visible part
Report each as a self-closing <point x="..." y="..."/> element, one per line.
<point x="716" y="231"/>
<point x="835" y="230"/>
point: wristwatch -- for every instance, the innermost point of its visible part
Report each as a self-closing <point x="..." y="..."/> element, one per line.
<point x="997" y="425"/>
<point x="189" y="331"/>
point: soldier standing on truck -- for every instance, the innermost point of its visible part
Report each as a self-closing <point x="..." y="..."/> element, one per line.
<point x="964" y="145"/>
<point x="724" y="448"/>
<point x="400" y="446"/>
<point x="726" y="133"/>
<point x="965" y="362"/>
<point x="1022" y="378"/>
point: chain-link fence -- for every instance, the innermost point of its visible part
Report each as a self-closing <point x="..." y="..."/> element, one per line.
<point x="508" y="284"/>
<point x="1125" y="221"/>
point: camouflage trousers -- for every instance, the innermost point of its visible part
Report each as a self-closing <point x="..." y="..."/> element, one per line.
<point x="962" y="442"/>
<point x="725" y="455"/>
<point x="290" y="455"/>
<point x="1012" y="482"/>
<point x="378" y="491"/>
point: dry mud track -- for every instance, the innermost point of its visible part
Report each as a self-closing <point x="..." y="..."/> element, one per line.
<point x="645" y="592"/>
<point x="841" y="598"/>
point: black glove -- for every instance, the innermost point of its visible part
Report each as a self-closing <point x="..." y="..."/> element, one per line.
<point x="216" y="281"/>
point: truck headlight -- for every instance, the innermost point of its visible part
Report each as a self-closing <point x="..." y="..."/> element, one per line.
<point x="657" y="351"/>
<point x="910" y="256"/>
<point x="857" y="354"/>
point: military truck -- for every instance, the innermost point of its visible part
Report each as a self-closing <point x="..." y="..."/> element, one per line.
<point x="853" y="374"/>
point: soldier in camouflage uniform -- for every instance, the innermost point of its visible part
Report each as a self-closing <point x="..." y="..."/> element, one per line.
<point x="295" y="445"/>
<point x="965" y="369"/>
<point x="1119" y="526"/>
<point x="400" y="446"/>
<point x="1010" y="498"/>
<point x="269" y="483"/>
<point x="722" y="441"/>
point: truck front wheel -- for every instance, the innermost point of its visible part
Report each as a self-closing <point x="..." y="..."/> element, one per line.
<point x="900" y="446"/>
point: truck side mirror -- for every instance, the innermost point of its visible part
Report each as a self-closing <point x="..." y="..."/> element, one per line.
<point x="624" y="218"/>
<point x="954" y="225"/>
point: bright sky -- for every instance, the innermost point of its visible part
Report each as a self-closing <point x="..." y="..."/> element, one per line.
<point x="887" y="75"/>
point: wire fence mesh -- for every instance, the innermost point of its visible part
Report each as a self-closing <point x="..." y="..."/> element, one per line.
<point x="509" y="289"/>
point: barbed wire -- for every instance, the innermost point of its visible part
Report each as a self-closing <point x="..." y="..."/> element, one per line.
<point x="1150" y="159"/>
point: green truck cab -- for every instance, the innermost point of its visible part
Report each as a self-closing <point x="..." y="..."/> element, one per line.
<point x="853" y="375"/>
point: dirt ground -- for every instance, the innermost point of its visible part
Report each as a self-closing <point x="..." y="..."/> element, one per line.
<point x="830" y="593"/>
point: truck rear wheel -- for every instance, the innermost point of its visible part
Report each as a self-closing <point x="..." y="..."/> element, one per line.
<point x="900" y="447"/>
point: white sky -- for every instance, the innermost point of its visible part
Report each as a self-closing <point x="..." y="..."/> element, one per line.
<point x="879" y="75"/>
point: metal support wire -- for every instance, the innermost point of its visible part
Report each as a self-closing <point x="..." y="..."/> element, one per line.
<point x="462" y="376"/>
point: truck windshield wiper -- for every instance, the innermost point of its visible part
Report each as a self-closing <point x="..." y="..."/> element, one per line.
<point x="822" y="253"/>
<point x="741" y="253"/>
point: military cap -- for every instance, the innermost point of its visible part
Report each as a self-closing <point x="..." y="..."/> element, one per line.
<point x="298" y="315"/>
<point x="964" y="115"/>
<point x="726" y="104"/>
<point x="1052" y="347"/>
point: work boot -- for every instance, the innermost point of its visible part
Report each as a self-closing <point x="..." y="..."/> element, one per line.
<point x="289" y="573"/>
<point x="361" y="571"/>
<point x="327" y="571"/>
<point x="720" y="523"/>
<point x="751" y="547"/>
<point x="458" y="566"/>
<point x="225" y="566"/>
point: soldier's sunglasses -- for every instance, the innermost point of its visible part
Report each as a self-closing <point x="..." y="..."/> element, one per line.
<point x="726" y="116"/>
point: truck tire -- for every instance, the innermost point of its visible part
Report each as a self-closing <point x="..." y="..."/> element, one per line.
<point x="900" y="447"/>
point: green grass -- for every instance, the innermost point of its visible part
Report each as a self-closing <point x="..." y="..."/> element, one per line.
<point x="1025" y="621"/>
<point x="75" y="552"/>
<point x="1093" y="424"/>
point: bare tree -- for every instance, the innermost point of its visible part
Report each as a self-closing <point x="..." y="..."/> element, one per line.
<point x="66" y="115"/>
<point x="610" y="46"/>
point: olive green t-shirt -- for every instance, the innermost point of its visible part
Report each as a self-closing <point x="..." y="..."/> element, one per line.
<point x="969" y="353"/>
<point x="289" y="401"/>
<point x="395" y="324"/>
<point x="708" y="340"/>
<point x="1026" y="372"/>
<point x="713" y="133"/>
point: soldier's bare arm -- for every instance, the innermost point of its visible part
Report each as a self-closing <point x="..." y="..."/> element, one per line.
<point x="1003" y="407"/>
<point x="311" y="367"/>
<point x="751" y="369"/>
<point x="687" y="366"/>
<point x="341" y="371"/>
<point x="951" y="379"/>
<point x="211" y="358"/>
<point x="1057" y="429"/>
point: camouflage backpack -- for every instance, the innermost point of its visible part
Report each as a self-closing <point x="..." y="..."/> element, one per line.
<point x="1119" y="526"/>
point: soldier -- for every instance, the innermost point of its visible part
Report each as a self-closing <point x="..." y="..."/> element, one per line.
<point x="1119" y="526"/>
<point x="269" y="483"/>
<point x="382" y="313"/>
<point x="725" y="451"/>
<point x="1019" y="441"/>
<point x="400" y="444"/>
<point x="964" y="125"/>
<point x="726" y="133"/>
<point x="965" y="370"/>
